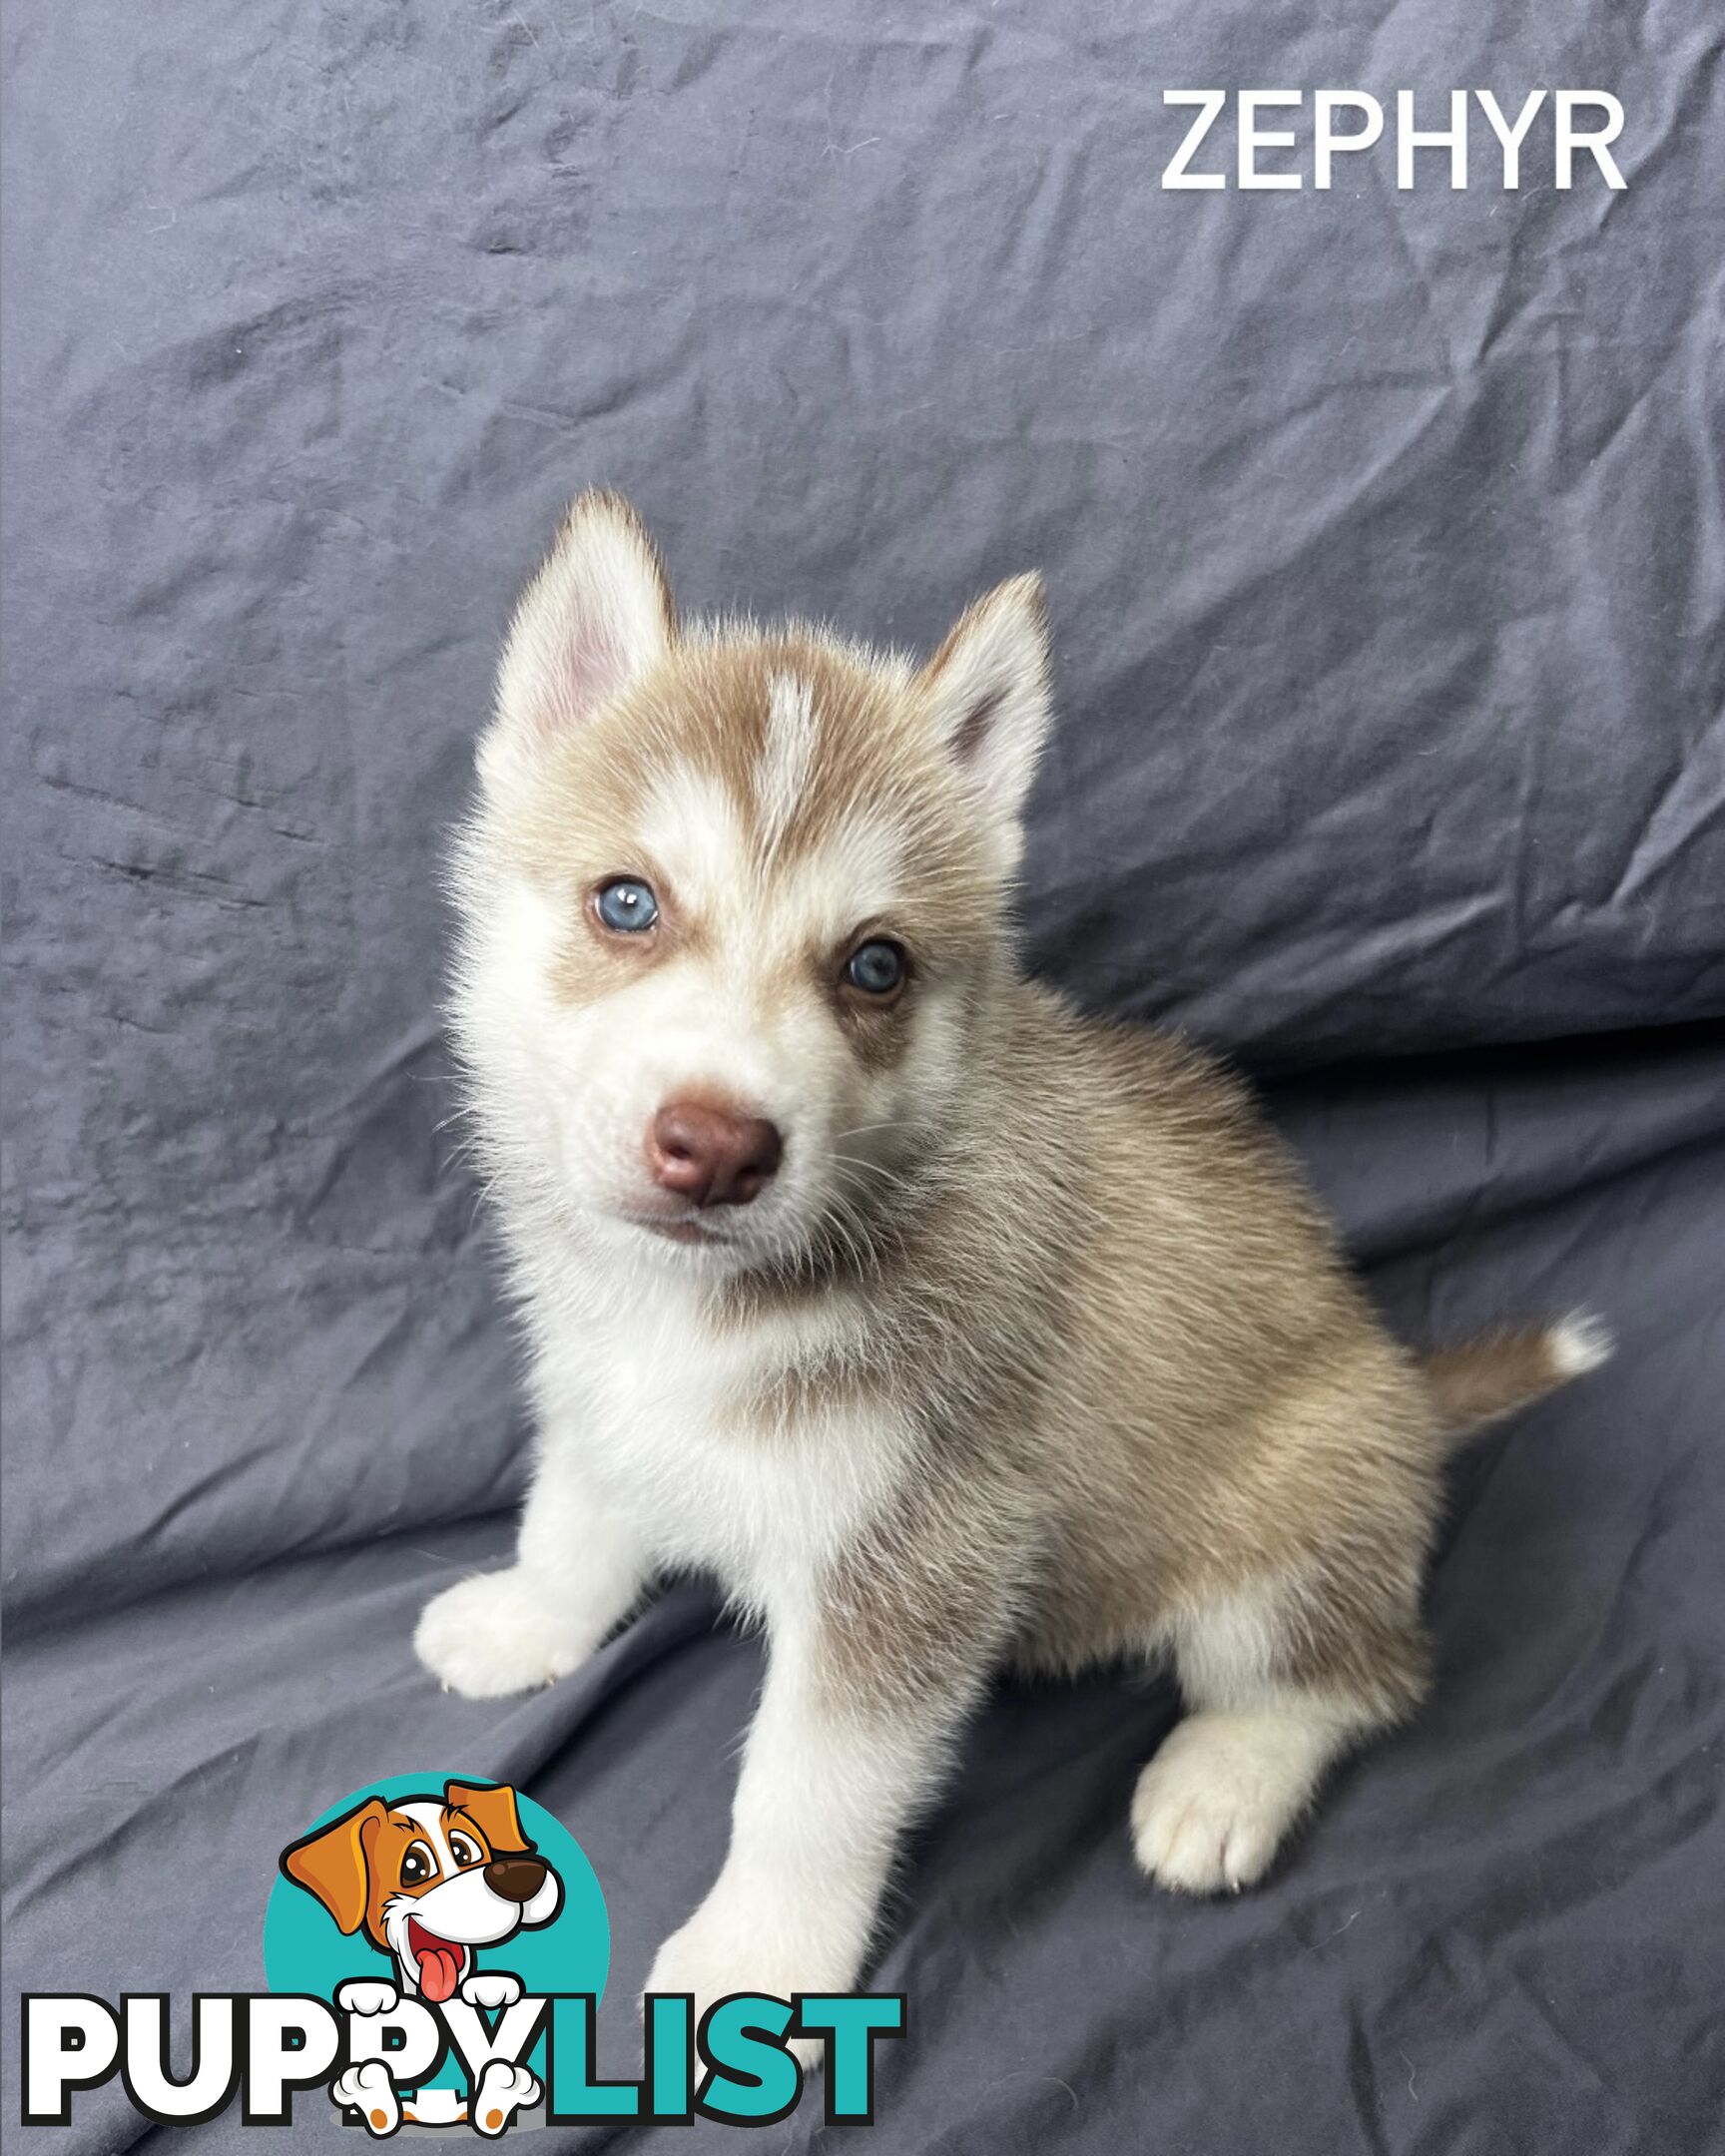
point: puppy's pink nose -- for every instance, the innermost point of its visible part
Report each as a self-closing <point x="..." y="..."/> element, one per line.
<point x="711" y="1155"/>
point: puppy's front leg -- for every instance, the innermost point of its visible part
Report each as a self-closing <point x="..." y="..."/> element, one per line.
<point x="853" y="1735"/>
<point x="579" y="1569"/>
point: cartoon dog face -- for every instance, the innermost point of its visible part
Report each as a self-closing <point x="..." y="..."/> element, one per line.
<point x="429" y="1879"/>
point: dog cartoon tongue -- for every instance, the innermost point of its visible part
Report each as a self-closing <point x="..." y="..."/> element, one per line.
<point x="439" y="1962"/>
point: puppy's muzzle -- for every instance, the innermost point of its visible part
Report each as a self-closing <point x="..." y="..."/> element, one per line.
<point x="516" y="1879"/>
<point x="711" y="1155"/>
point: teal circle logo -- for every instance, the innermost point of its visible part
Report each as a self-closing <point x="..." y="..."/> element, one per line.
<point x="428" y="1881"/>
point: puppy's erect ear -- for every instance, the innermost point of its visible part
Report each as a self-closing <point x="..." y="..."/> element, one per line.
<point x="597" y="615"/>
<point x="335" y="1864"/>
<point x="493" y="1812"/>
<point x="987" y="690"/>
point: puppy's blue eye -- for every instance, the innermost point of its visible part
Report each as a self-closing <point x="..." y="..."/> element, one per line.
<point x="876" y="967"/>
<point x="627" y="905"/>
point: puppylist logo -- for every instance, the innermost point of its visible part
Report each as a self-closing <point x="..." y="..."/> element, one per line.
<point x="435" y="1948"/>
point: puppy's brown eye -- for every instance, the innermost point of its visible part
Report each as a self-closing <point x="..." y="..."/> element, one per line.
<point x="876" y="967"/>
<point x="463" y="1851"/>
<point x="417" y="1866"/>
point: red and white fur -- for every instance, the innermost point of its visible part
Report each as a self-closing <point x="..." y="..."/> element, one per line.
<point x="1020" y="1341"/>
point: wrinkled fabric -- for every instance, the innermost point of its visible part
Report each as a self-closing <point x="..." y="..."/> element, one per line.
<point x="1385" y="535"/>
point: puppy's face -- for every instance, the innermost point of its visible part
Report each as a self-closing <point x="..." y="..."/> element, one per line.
<point x="736" y="903"/>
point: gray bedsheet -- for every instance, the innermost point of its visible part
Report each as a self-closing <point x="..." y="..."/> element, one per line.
<point x="1386" y="541"/>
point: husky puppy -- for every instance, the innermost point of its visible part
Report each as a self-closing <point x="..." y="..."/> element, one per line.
<point x="949" y="1329"/>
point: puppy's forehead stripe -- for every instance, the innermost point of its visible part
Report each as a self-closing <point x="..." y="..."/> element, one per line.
<point x="850" y="873"/>
<point x="782" y="769"/>
<point x="716" y="843"/>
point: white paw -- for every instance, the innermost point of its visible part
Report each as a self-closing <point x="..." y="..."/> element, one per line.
<point x="491" y="1988"/>
<point x="369" y="2090"/>
<point x="714" y="1955"/>
<point x="367" y="1996"/>
<point x="503" y="2090"/>
<point x="1211" y="1809"/>
<point x="497" y="1634"/>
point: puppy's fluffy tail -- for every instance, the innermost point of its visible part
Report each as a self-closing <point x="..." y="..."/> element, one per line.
<point x="1481" y="1379"/>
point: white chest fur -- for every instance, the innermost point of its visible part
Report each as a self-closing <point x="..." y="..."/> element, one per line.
<point x="659" y="1407"/>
